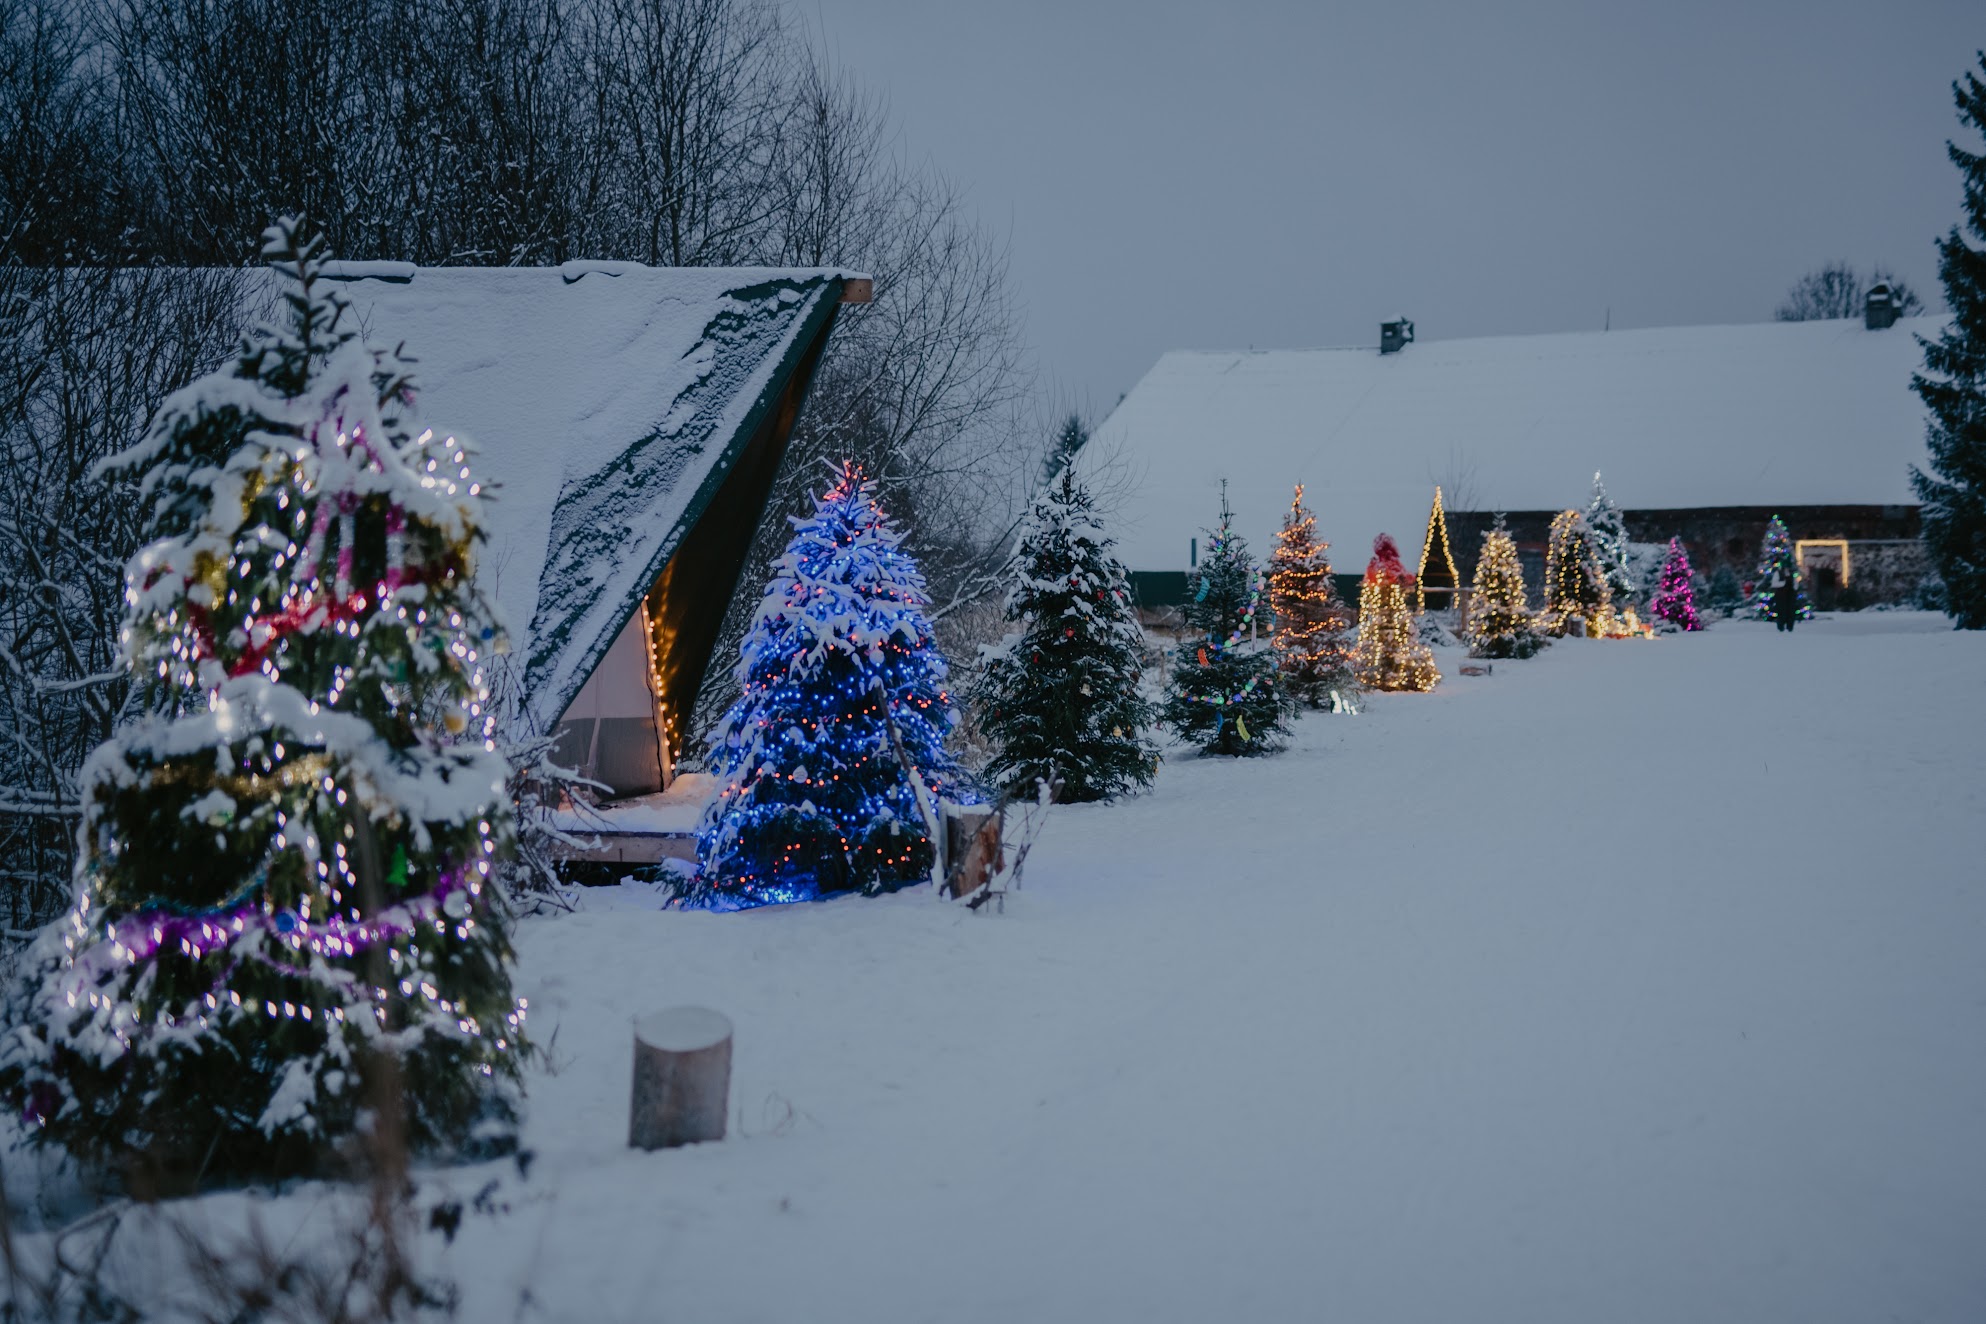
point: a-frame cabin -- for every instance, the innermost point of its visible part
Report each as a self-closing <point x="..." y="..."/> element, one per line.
<point x="631" y="420"/>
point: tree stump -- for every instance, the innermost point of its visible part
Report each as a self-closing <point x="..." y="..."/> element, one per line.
<point x="682" y="1078"/>
<point x="972" y="847"/>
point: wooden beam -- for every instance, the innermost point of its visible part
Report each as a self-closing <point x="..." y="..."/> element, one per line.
<point x="858" y="289"/>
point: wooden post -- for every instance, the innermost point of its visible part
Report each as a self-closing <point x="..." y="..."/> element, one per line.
<point x="682" y="1078"/>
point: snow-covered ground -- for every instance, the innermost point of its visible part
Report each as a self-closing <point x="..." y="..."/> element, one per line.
<point x="1642" y="981"/>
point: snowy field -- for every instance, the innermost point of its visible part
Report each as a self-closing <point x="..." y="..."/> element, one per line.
<point x="1643" y="981"/>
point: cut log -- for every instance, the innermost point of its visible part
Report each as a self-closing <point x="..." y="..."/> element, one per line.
<point x="682" y="1078"/>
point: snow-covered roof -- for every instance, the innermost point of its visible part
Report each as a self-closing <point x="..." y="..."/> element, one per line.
<point x="608" y="401"/>
<point x="1782" y="413"/>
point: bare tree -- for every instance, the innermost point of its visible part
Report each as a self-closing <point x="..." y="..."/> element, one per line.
<point x="1836" y="290"/>
<point x="86" y="354"/>
<point x="492" y="132"/>
<point x="694" y="94"/>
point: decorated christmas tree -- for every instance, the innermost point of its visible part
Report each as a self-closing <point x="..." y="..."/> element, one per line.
<point x="1390" y="654"/>
<point x="1436" y="580"/>
<point x="1060" y="697"/>
<point x="1225" y="694"/>
<point x="1500" y="623"/>
<point x="1953" y="387"/>
<point x="1313" y="637"/>
<point x="1577" y="599"/>
<point x="831" y="764"/>
<point x="284" y="895"/>
<point x="1612" y="551"/>
<point x="1675" y="596"/>
<point x="1777" y="554"/>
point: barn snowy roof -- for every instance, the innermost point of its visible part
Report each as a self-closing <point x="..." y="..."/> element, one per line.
<point x="608" y="402"/>
<point x="1781" y="413"/>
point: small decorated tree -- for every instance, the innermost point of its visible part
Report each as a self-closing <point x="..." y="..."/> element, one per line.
<point x="285" y="876"/>
<point x="1390" y="654"/>
<point x="1060" y="697"/>
<point x="1675" y="595"/>
<point x="1612" y="551"/>
<point x="1576" y="595"/>
<point x="1776" y="553"/>
<point x="1726" y="593"/>
<point x="831" y="764"/>
<point x="1225" y="695"/>
<point x="1313" y="636"/>
<point x="1500" y="623"/>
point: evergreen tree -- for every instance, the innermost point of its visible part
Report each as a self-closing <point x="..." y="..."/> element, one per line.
<point x="1500" y="623"/>
<point x="1675" y="597"/>
<point x="1436" y="579"/>
<point x="1611" y="549"/>
<point x="1726" y="593"/>
<point x="1069" y="439"/>
<point x="1575" y="587"/>
<point x="1225" y="695"/>
<point x="1313" y="636"/>
<point x="1777" y="552"/>
<point x="1390" y="653"/>
<point x="1953" y="387"/>
<point x="285" y="874"/>
<point x="1060" y="697"/>
<point x="832" y="763"/>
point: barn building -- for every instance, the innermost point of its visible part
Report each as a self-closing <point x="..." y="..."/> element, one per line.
<point x="631" y="420"/>
<point x="1702" y="432"/>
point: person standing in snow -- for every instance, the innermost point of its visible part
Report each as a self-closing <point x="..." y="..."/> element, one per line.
<point x="1785" y="603"/>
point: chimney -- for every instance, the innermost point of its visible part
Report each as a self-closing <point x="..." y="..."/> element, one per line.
<point x="1395" y="335"/>
<point x="1879" y="307"/>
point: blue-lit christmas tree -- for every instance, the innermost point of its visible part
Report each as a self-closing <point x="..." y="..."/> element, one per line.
<point x="832" y="762"/>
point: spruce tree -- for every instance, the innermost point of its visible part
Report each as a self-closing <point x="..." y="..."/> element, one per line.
<point x="1953" y="387"/>
<point x="1575" y="586"/>
<point x="1611" y="551"/>
<point x="1726" y="593"/>
<point x="1500" y="623"/>
<point x="1390" y="653"/>
<point x="285" y="875"/>
<point x="1777" y="553"/>
<point x="1070" y="438"/>
<point x="1060" y="697"/>
<point x="831" y="765"/>
<point x="1675" y="596"/>
<point x="1225" y="695"/>
<point x="1313" y="629"/>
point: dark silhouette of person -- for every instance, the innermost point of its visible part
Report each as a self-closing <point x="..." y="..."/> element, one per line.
<point x="1785" y="602"/>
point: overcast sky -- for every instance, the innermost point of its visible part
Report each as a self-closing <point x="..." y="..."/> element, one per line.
<point x="1211" y="175"/>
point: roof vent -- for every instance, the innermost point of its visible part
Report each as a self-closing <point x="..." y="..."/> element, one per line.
<point x="1394" y="336"/>
<point x="1879" y="307"/>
